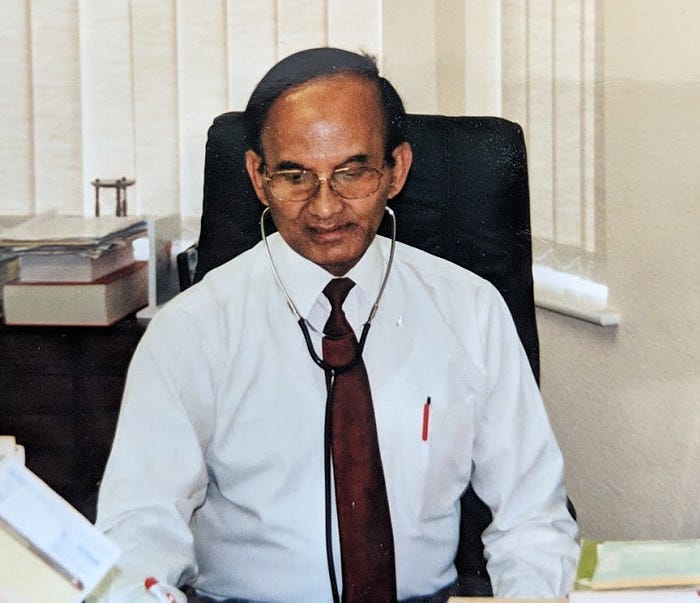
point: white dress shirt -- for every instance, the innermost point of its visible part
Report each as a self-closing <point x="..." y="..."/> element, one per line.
<point x="216" y="473"/>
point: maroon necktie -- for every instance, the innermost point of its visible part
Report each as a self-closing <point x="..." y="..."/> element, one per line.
<point x="366" y="540"/>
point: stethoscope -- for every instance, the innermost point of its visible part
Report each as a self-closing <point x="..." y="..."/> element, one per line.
<point x="331" y="372"/>
<point x="334" y="370"/>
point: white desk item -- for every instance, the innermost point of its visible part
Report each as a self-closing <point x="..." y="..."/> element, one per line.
<point x="49" y="552"/>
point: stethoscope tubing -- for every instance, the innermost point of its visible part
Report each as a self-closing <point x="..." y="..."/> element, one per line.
<point x="331" y="371"/>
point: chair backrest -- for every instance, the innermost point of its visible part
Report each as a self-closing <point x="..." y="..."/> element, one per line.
<point x="466" y="199"/>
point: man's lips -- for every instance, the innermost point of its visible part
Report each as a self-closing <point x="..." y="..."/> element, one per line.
<point x="329" y="233"/>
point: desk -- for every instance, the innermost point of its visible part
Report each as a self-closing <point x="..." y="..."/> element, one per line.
<point x="60" y="393"/>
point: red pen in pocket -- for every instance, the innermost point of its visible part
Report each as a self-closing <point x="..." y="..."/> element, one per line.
<point x="426" y="419"/>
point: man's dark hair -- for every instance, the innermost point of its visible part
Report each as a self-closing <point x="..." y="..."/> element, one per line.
<point x="308" y="65"/>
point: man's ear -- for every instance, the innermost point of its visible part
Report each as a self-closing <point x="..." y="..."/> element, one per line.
<point x="403" y="157"/>
<point x="253" y="162"/>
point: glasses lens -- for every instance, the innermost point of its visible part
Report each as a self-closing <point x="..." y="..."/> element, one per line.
<point x="356" y="183"/>
<point x="293" y="185"/>
<point x="299" y="185"/>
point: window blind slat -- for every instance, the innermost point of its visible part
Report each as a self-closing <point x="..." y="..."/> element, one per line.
<point x="346" y="19"/>
<point x="540" y="123"/>
<point x="55" y="53"/>
<point x="566" y="111"/>
<point x="155" y="93"/>
<point x="16" y="112"/>
<point x="301" y="24"/>
<point x="514" y="45"/>
<point x="252" y="46"/>
<point x="106" y="93"/>
<point x="202" y="89"/>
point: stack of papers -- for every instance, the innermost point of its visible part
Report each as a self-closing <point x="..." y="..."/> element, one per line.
<point x="53" y="231"/>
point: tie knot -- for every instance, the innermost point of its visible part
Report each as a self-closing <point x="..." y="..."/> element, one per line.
<point x="337" y="290"/>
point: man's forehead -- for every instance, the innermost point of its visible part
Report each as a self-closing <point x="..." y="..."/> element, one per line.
<point x="326" y="119"/>
<point x="334" y="90"/>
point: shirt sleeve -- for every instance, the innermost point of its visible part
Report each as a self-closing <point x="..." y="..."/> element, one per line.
<point x="530" y="545"/>
<point x="156" y="474"/>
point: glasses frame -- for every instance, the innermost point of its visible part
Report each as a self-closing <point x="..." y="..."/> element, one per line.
<point x="329" y="179"/>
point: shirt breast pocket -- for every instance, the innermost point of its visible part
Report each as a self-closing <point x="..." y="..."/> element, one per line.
<point x="426" y="422"/>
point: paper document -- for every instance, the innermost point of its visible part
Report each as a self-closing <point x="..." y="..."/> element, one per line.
<point x="49" y="552"/>
<point x="54" y="230"/>
<point x="647" y="563"/>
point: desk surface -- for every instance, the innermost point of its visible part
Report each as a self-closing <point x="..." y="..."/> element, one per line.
<point x="499" y="600"/>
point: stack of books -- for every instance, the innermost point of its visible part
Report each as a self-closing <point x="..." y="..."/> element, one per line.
<point x="74" y="271"/>
<point x="641" y="571"/>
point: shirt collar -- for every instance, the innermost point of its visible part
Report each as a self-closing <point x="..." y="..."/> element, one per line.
<point x="305" y="280"/>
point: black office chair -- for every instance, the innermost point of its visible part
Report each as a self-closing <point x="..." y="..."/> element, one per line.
<point x="466" y="200"/>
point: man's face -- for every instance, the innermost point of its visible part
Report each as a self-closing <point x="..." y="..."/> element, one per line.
<point x="322" y="126"/>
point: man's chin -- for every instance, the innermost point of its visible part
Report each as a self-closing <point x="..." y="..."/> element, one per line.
<point x="336" y="267"/>
<point x="336" y="264"/>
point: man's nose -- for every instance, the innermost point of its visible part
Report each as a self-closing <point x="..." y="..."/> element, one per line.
<point x="326" y="201"/>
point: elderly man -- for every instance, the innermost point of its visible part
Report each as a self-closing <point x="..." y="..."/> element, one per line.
<point x="255" y="461"/>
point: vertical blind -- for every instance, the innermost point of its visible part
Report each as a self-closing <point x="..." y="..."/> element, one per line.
<point x="549" y="55"/>
<point x="129" y="87"/>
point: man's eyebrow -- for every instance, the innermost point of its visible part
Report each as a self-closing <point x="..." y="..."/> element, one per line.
<point x="293" y="165"/>
<point x="289" y="165"/>
<point x="359" y="158"/>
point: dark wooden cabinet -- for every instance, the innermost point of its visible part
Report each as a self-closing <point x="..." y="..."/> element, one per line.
<point x="60" y="392"/>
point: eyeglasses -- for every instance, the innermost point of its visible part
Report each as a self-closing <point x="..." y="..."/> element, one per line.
<point x="296" y="186"/>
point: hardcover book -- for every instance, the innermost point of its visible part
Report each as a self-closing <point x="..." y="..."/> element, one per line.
<point x="86" y="265"/>
<point x="101" y="302"/>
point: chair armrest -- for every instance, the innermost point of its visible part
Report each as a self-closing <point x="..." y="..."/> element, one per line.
<point x="186" y="265"/>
